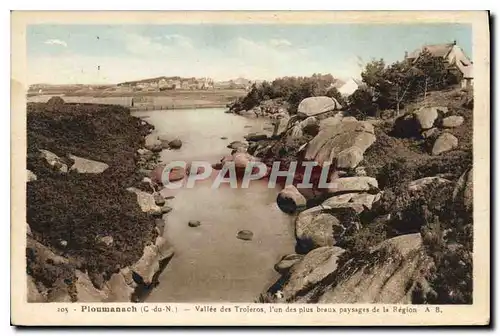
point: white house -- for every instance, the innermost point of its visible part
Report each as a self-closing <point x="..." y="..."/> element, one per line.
<point x="350" y="86"/>
<point x="453" y="55"/>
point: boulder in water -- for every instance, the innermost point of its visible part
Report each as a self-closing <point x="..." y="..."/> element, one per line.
<point x="290" y="200"/>
<point x="245" y="235"/>
<point x="175" y="144"/>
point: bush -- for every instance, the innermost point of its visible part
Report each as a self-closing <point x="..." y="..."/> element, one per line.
<point x="361" y="105"/>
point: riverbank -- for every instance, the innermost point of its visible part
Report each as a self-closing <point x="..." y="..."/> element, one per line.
<point x="173" y="99"/>
<point x="88" y="237"/>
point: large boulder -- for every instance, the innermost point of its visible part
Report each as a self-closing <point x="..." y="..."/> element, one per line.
<point x="87" y="166"/>
<point x="426" y="117"/>
<point x="319" y="226"/>
<point x="389" y="274"/>
<point x="290" y="200"/>
<point x="312" y="269"/>
<point x="444" y="143"/>
<point x="175" y="144"/>
<point x="331" y="121"/>
<point x="316" y="105"/>
<point x="153" y="144"/>
<point x="256" y="136"/>
<point x="286" y="263"/>
<point x="119" y="290"/>
<point x="343" y="142"/>
<point x="453" y="121"/>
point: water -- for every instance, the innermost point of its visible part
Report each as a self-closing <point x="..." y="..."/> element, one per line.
<point x="210" y="263"/>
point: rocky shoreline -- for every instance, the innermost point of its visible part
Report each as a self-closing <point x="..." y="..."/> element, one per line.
<point x="397" y="211"/>
<point x="94" y="228"/>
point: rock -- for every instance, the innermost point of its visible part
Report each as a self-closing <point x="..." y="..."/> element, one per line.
<point x="145" y="153"/>
<point x="310" y="125"/>
<point x="33" y="293"/>
<point x="238" y="144"/>
<point x="430" y="132"/>
<point x="194" y="223"/>
<point x="86" y="166"/>
<point x="290" y="200"/>
<point x="347" y="139"/>
<point x="63" y="243"/>
<point x="85" y="290"/>
<point x="330" y="121"/>
<point x="28" y="230"/>
<point x="463" y="193"/>
<point x="284" y="265"/>
<point x="164" y="137"/>
<point x="166" y="209"/>
<point x="153" y="144"/>
<point x="175" y="144"/>
<point x="453" y="121"/>
<point x="313" y="268"/>
<point x="256" y="136"/>
<point x="165" y="249"/>
<point x="389" y="274"/>
<point x="359" y="202"/>
<point x="54" y="160"/>
<point x="349" y="158"/>
<point x="354" y="184"/>
<point x="280" y="125"/>
<point x="349" y="119"/>
<point x="97" y="280"/>
<point x="30" y="176"/>
<point x="159" y="200"/>
<point x="104" y="240"/>
<point x="59" y="292"/>
<point x="426" y="117"/>
<point x="223" y="138"/>
<point x="160" y="226"/>
<point x="245" y="235"/>
<point x="119" y="290"/>
<point x="147" y="266"/>
<point x="316" y="105"/>
<point x="295" y="133"/>
<point x="445" y="142"/>
<point x="423" y="182"/>
<point x="316" y="227"/>
<point x="241" y="160"/>
<point x="146" y="201"/>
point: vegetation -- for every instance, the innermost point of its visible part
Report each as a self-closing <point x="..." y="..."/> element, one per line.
<point x="78" y="208"/>
<point x="289" y="89"/>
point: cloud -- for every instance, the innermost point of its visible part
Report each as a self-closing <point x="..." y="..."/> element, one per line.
<point x="172" y="45"/>
<point x="280" y="43"/>
<point x="56" y="42"/>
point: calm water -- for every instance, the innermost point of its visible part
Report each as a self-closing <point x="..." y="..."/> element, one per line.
<point x="210" y="263"/>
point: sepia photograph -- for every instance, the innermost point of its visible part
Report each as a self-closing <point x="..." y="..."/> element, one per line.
<point x="306" y="168"/>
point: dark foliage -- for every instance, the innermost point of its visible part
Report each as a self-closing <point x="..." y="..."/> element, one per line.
<point x="79" y="207"/>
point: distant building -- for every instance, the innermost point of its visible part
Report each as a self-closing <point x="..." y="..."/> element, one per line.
<point x="453" y="55"/>
<point x="350" y="86"/>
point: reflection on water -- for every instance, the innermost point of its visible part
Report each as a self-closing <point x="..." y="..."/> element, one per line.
<point x="210" y="263"/>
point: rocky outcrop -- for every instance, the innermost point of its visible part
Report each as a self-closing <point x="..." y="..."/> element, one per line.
<point x="321" y="226"/>
<point x="342" y="143"/>
<point x="390" y="274"/>
<point x="153" y="144"/>
<point x="444" y="143"/>
<point x="426" y="116"/>
<point x="87" y="166"/>
<point x="308" y="272"/>
<point x="284" y="265"/>
<point x="317" y="105"/>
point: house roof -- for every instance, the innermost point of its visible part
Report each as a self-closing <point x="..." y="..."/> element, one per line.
<point x="437" y="50"/>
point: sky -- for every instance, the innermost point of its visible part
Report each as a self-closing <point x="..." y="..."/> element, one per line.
<point x="92" y="54"/>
